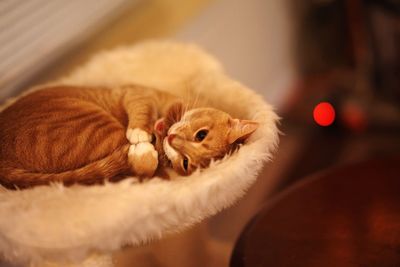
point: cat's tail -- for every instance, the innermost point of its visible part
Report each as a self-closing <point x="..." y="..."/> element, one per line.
<point x="110" y="167"/>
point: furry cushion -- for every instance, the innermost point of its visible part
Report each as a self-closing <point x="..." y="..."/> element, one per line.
<point x="60" y="224"/>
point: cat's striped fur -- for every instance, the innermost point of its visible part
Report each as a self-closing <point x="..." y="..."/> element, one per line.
<point x="74" y="134"/>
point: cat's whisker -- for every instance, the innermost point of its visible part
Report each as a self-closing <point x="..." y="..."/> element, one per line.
<point x="196" y="100"/>
<point x="186" y="108"/>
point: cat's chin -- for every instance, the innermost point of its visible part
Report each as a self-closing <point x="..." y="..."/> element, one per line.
<point x="173" y="157"/>
<point x="170" y="152"/>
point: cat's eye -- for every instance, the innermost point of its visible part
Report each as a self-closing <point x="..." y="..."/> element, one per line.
<point x="200" y="135"/>
<point x="185" y="163"/>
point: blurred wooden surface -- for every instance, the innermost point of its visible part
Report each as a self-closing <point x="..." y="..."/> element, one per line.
<point x="348" y="216"/>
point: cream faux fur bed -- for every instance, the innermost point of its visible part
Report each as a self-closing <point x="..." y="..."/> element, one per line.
<point x="82" y="224"/>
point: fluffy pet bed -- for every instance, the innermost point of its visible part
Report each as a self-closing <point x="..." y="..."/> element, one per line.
<point x="81" y="225"/>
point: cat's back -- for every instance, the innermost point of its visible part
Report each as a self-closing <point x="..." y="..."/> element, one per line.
<point x="60" y="128"/>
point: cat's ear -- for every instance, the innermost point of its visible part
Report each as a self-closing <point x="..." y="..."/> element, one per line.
<point x="160" y="126"/>
<point x="241" y="130"/>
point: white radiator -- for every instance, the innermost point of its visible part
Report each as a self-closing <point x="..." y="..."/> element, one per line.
<point x="33" y="33"/>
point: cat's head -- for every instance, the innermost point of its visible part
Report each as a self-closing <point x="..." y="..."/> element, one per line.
<point x="195" y="137"/>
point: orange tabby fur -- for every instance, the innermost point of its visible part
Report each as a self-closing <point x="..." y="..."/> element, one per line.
<point x="87" y="135"/>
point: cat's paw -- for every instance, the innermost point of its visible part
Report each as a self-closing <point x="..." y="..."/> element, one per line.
<point x="143" y="159"/>
<point x="138" y="135"/>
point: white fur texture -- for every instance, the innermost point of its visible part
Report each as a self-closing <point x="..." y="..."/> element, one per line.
<point x="137" y="136"/>
<point x="58" y="223"/>
<point x="141" y="149"/>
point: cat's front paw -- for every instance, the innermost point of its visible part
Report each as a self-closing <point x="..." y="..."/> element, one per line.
<point x="143" y="159"/>
<point x="138" y="135"/>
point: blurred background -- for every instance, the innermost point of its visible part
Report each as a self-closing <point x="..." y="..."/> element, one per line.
<point x="296" y="54"/>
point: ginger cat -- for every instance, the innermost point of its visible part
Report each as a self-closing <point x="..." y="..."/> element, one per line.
<point x="75" y="134"/>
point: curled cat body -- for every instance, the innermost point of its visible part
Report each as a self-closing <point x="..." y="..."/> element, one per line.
<point x="76" y="134"/>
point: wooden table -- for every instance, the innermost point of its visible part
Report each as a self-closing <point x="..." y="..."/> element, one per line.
<point x="348" y="216"/>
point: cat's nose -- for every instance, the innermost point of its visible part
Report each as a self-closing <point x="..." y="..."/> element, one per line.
<point x="171" y="137"/>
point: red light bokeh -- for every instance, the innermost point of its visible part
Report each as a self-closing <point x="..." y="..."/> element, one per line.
<point x="324" y="114"/>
